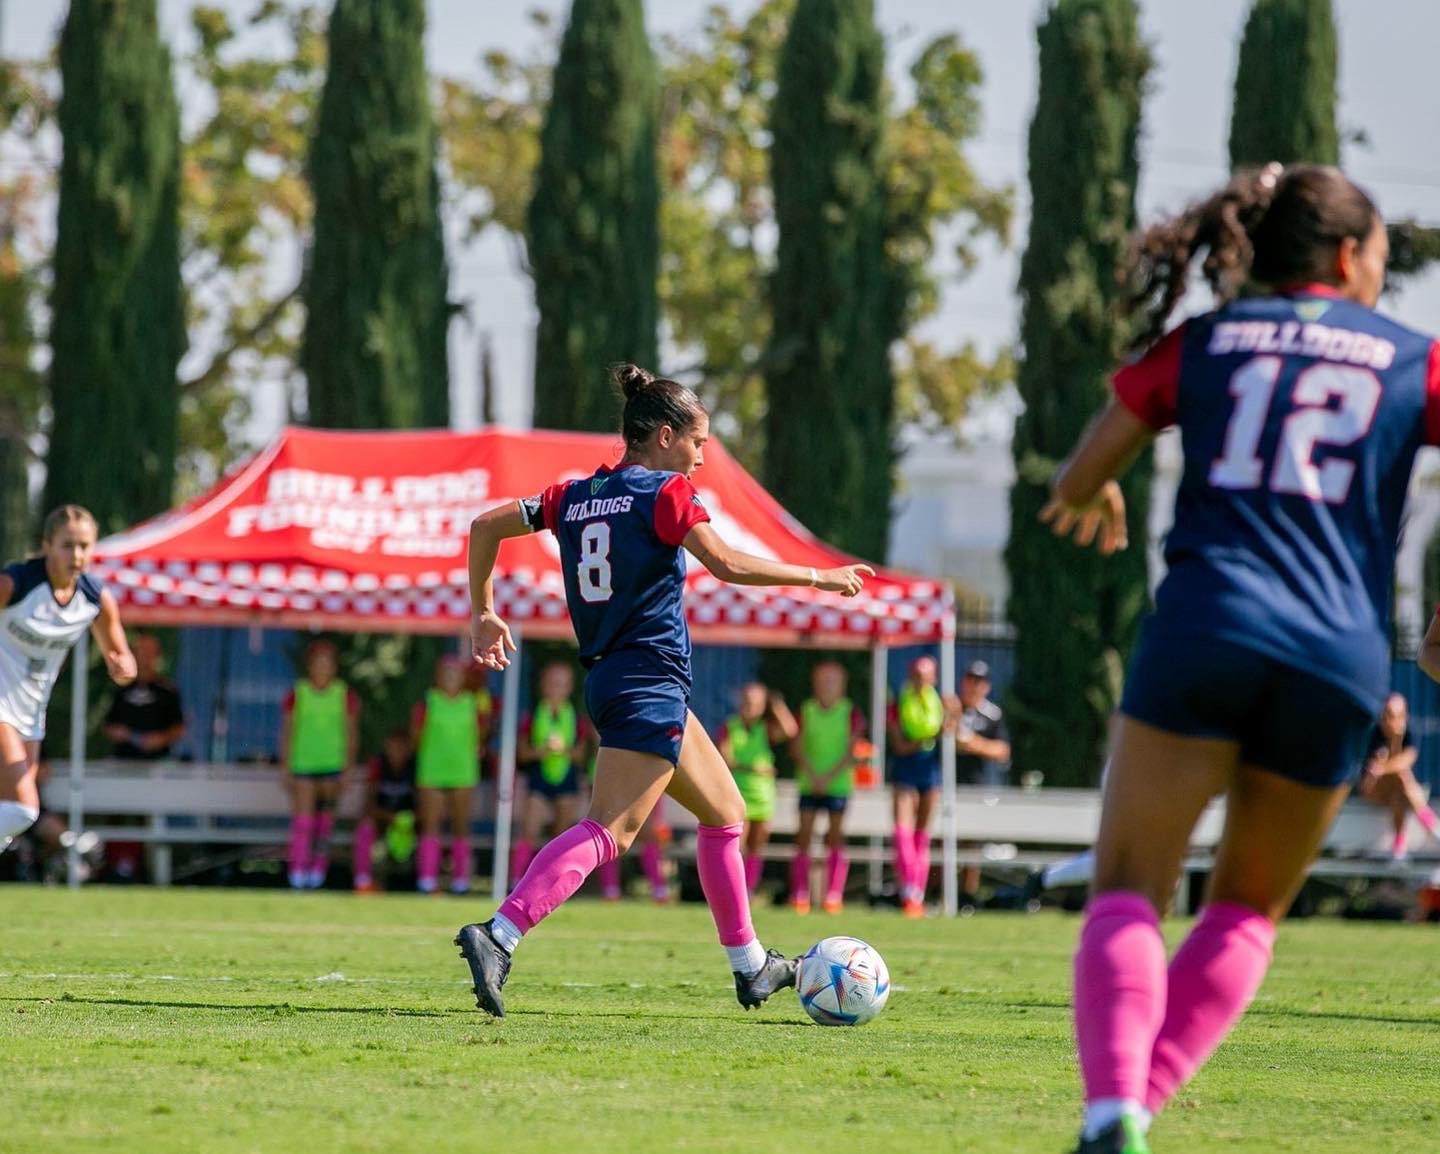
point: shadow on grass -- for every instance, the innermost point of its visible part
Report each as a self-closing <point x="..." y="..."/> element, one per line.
<point x="281" y="1008"/>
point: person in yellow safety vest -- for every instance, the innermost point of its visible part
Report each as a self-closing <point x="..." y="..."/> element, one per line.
<point x="554" y="740"/>
<point x="747" y="742"/>
<point x="825" y="771"/>
<point x="916" y="724"/>
<point x="450" y="728"/>
<point x="319" y="734"/>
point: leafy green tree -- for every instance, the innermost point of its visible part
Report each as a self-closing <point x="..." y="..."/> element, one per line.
<point x="1285" y="86"/>
<point x="1075" y="612"/>
<point x="374" y="349"/>
<point x="117" y="325"/>
<point x="592" y="227"/>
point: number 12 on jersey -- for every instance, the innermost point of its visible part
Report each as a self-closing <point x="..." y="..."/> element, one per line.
<point x="1312" y="422"/>
<point x="594" y="568"/>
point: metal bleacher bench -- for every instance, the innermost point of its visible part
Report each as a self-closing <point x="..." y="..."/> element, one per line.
<point x="997" y="828"/>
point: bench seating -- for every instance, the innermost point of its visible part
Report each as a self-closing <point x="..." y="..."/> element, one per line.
<point x="998" y="828"/>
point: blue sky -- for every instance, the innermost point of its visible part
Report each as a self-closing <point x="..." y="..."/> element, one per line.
<point x="1387" y="67"/>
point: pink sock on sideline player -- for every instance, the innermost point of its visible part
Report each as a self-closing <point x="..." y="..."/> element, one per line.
<point x="800" y="879"/>
<point x="1212" y="979"/>
<point x="320" y="852"/>
<point x="920" y="856"/>
<point x="610" y="879"/>
<point x="905" y="860"/>
<point x="654" y="872"/>
<point x="427" y="863"/>
<point x="302" y="833"/>
<point x="837" y="869"/>
<point x="460" y="863"/>
<point x="363" y="852"/>
<point x="754" y="869"/>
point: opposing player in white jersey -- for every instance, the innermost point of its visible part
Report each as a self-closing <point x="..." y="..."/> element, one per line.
<point x="46" y="603"/>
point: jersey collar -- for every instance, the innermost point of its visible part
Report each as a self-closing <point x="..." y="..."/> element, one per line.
<point x="1310" y="289"/>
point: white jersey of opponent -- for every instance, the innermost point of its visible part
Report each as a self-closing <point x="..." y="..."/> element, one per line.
<point x="36" y="632"/>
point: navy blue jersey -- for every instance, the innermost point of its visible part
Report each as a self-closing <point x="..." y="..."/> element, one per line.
<point x="1300" y="416"/>
<point x="620" y="533"/>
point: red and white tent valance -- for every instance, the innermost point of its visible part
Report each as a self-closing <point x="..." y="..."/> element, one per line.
<point x="368" y="531"/>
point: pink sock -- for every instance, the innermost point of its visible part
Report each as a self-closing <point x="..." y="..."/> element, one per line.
<point x="320" y="853"/>
<point x="460" y="860"/>
<point x="1119" y="997"/>
<point x="1428" y="819"/>
<point x="800" y="878"/>
<point x="650" y="859"/>
<point x="364" y="851"/>
<point x="837" y="869"/>
<point x="921" y="858"/>
<point x="904" y="859"/>
<point x="520" y="858"/>
<point x="557" y="872"/>
<point x="610" y="878"/>
<point x="1400" y="844"/>
<point x="1213" y="977"/>
<point x="302" y="831"/>
<point x="427" y="861"/>
<point x="722" y="877"/>
<point x="754" y="868"/>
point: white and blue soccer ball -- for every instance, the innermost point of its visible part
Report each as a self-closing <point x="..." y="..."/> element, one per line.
<point x="842" y="982"/>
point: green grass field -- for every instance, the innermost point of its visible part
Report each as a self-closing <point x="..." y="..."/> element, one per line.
<point x="137" y="1020"/>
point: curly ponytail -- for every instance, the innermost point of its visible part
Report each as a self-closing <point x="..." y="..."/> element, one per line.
<point x="1272" y="226"/>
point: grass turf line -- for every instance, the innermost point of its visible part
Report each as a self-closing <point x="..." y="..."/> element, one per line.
<point x="141" y="1020"/>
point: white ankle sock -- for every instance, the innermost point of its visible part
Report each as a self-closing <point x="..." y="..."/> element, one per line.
<point x="1104" y="1112"/>
<point x="746" y="959"/>
<point x="506" y="933"/>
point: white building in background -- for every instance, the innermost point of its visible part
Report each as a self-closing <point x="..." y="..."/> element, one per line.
<point x="952" y="516"/>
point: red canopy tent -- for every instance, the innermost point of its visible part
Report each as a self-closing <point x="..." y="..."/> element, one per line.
<point x="366" y="531"/>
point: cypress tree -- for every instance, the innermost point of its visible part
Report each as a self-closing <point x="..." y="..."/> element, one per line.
<point x="836" y="300"/>
<point x="374" y="348"/>
<point x="1075" y="612"/>
<point x="593" y="227"/>
<point x="19" y="396"/>
<point x="117" y="329"/>
<point x="1285" y="86"/>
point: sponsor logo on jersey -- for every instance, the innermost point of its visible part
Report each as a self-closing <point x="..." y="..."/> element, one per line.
<point x="598" y="483"/>
<point x="1311" y="310"/>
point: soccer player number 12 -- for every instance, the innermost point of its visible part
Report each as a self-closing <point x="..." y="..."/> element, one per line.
<point x="1311" y="423"/>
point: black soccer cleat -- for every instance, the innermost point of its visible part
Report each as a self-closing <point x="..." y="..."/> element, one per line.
<point x="778" y="973"/>
<point x="489" y="965"/>
<point x="1122" y="1137"/>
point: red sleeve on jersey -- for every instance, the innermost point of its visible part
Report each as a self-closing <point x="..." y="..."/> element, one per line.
<point x="352" y="702"/>
<point x="287" y="703"/>
<point x="1432" y="396"/>
<point x="1150" y="387"/>
<point x="375" y="768"/>
<point x="417" y="717"/>
<point x="857" y="722"/>
<point x="677" y="510"/>
<point x="550" y="504"/>
<point x="524" y="728"/>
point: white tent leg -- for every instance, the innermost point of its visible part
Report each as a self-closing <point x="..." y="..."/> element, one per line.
<point x="79" y="704"/>
<point x="879" y="676"/>
<point x="949" y="856"/>
<point x="505" y="787"/>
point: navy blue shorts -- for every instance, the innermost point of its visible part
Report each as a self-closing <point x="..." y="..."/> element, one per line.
<point x="819" y="801"/>
<point x="635" y="703"/>
<point x="539" y="784"/>
<point x="1286" y="720"/>
<point x="917" y="771"/>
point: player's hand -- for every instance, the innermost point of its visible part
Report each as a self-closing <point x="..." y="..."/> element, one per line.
<point x="847" y="580"/>
<point x="121" y="667"/>
<point x="490" y="640"/>
<point x="1103" y="515"/>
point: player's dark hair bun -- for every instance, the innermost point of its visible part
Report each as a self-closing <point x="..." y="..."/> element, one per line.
<point x="652" y="402"/>
<point x="630" y="379"/>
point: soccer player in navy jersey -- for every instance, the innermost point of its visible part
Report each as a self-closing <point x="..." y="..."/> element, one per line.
<point x="46" y="604"/>
<point x="621" y="534"/>
<point x="1266" y="660"/>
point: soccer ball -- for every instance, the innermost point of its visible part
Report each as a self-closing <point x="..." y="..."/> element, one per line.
<point x="842" y="982"/>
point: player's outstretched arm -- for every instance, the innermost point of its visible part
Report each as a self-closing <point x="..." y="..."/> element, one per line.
<point x="1084" y="496"/>
<point x="738" y="568"/>
<point x="1428" y="658"/>
<point x="490" y="640"/>
<point x="109" y="637"/>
